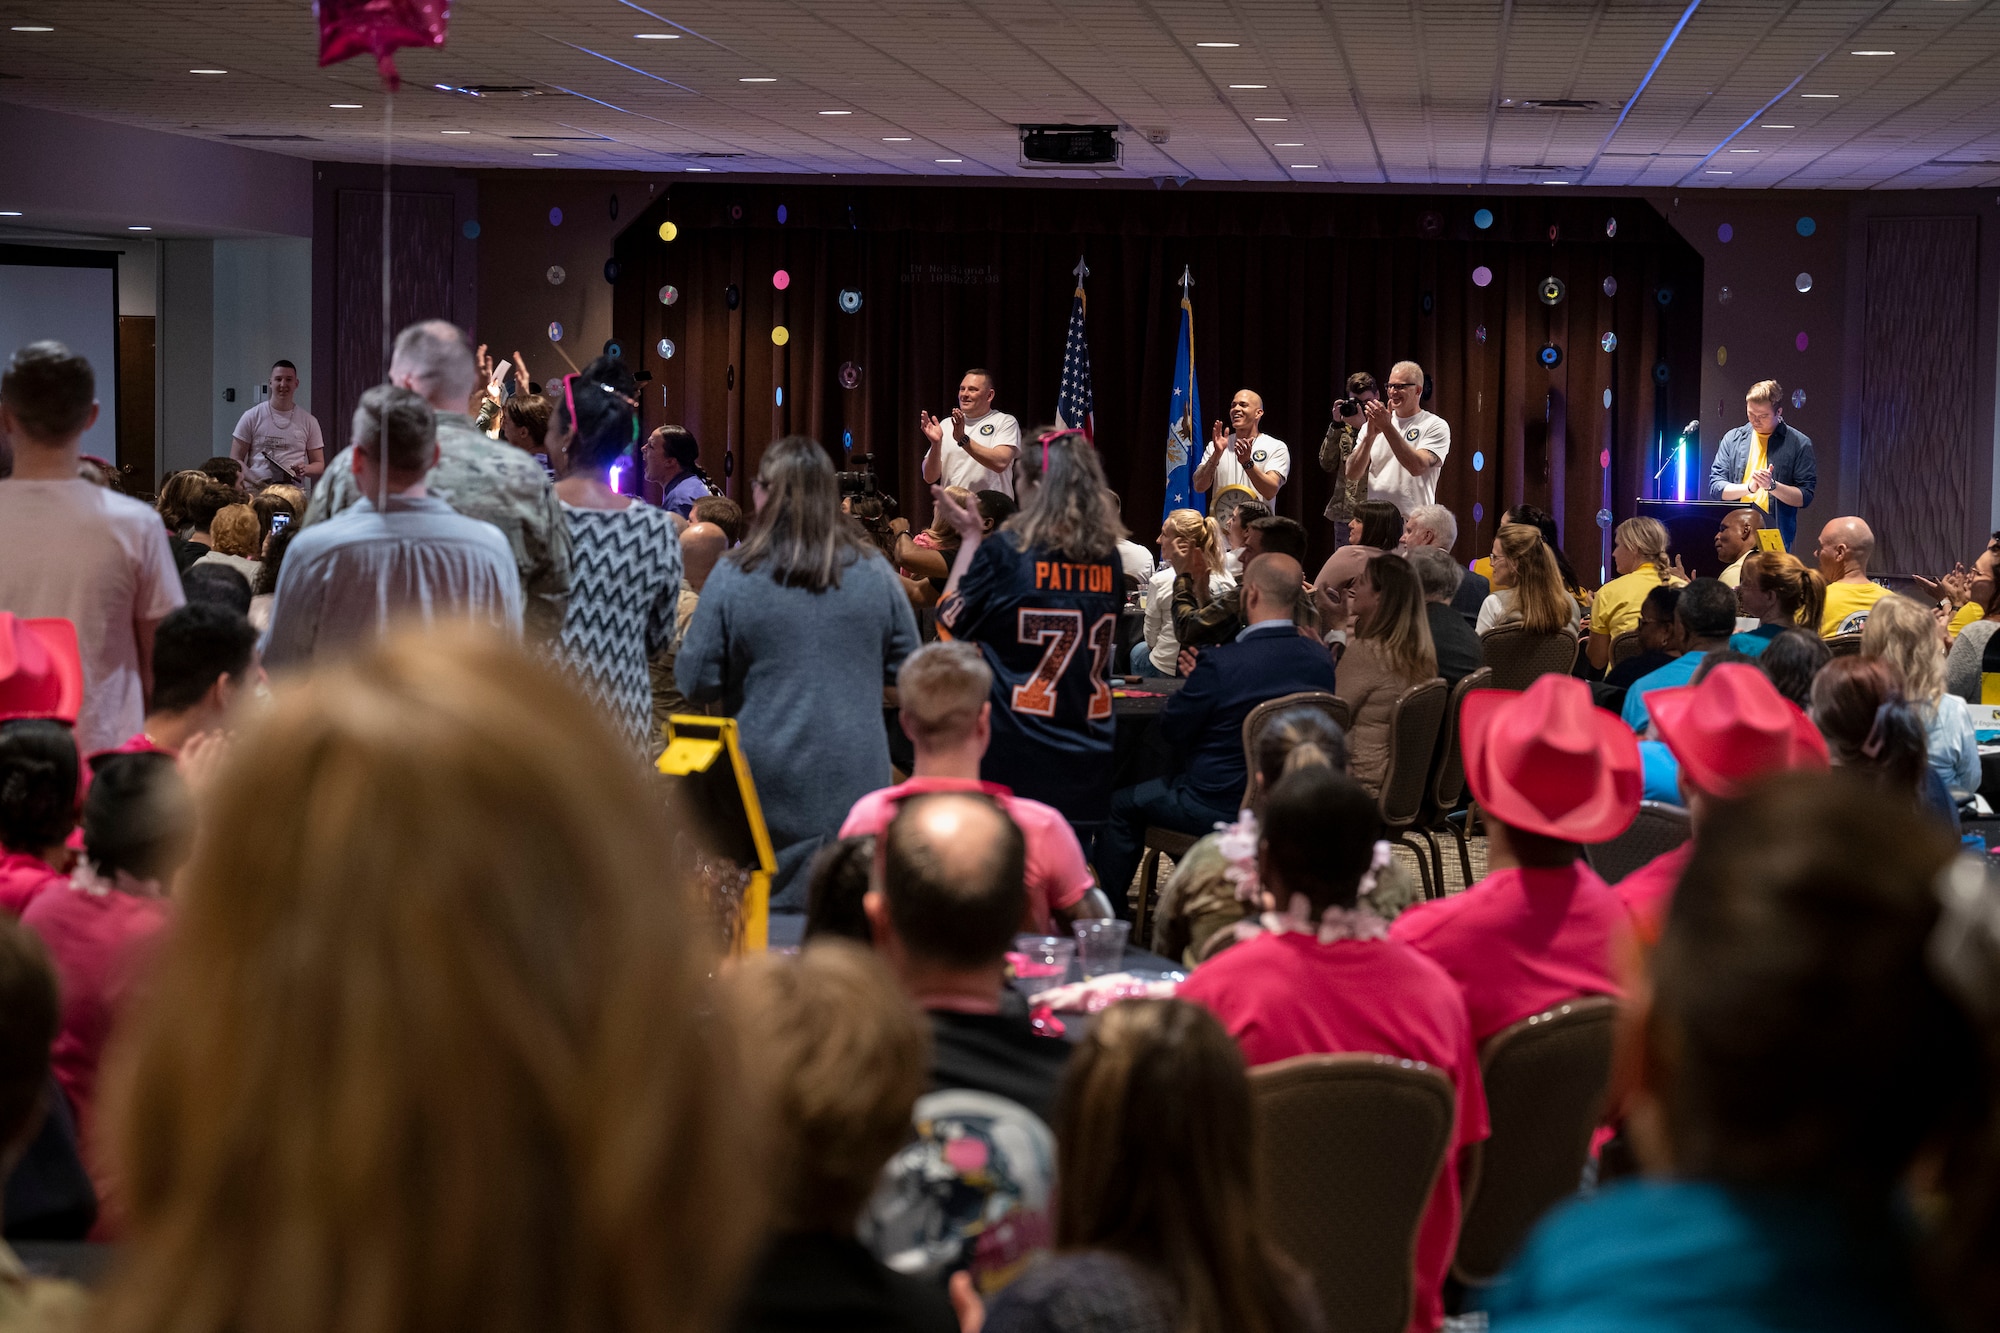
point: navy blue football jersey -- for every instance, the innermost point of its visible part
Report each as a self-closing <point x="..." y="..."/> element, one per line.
<point x="1048" y="627"/>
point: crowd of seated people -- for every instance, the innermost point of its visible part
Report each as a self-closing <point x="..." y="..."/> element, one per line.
<point x="379" y="991"/>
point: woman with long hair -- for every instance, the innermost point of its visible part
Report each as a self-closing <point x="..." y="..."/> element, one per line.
<point x="1861" y="706"/>
<point x="1390" y="649"/>
<point x="1639" y="552"/>
<point x="1189" y="544"/>
<point x="672" y="460"/>
<point x="796" y="634"/>
<point x="1528" y="586"/>
<point x="1375" y="529"/>
<point x="1780" y="593"/>
<point x="1041" y="598"/>
<point x="1816" y="1096"/>
<point x="1907" y="635"/>
<point x="434" y="1050"/>
<point x="1157" y="1215"/>
<point x="625" y="561"/>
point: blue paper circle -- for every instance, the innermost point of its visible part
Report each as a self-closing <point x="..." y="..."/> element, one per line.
<point x="847" y="440"/>
<point x="1478" y="461"/>
<point x="555" y="217"/>
<point x="781" y="215"/>
<point x="1807" y="226"/>
<point x="1607" y="397"/>
<point x="1725" y="233"/>
<point x="1478" y="512"/>
<point x="780" y="392"/>
<point x="611" y="270"/>
<point x="471" y="229"/>
<point x="1483" y="219"/>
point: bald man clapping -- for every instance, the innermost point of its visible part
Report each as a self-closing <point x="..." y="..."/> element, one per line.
<point x="1240" y="455"/>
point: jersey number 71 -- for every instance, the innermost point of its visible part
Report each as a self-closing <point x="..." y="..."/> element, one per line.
<point x="1058" y="632"/>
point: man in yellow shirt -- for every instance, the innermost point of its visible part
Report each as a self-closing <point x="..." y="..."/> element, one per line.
<point x="1845" y="547"/>
<point x="1735" y="539"/>
<point x="1765" y="462"/>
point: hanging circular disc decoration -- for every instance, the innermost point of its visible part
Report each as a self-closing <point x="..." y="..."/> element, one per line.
<point x="471" y="229"/>
<point x="1611" y="226"/>
<point x="729" y="463"/>
<point x="614" y="350"/>
<point x="1480" y="334"/>
<point x="1607" y="397"/>
<point x="1555" y="233"/>
<point x="1611" y="286"/>
<point x="1807" y="226"/>
<point x="665" y="347"/>
<point x="612" y="268"/>
<point x="1802" y="342"/>
<point x="731" y="297"/>
<point x="1430" y="225"/>
<point x="669" y="294"/>
<point x="555" y="332"/>
<point x="783" y="213"/>
<point x="614" y="208"/>
<point x="1478" y="512"/>
<point x="1665" y="296"/>
<point x="780" y="336"/>
<point x="1482" y="218"/>
<point x="1662" y="372"/>
<point x="1609" y="342"/>
<point x="1552" y="290"/>
<point x="736" y="212"/>
<point x="1604" y="458"/>
<point x="1798" y="398"/>
<point x="1803" y="282"/>
<point x="729" y="380"/>
<point x="1427" y="303"/>
<point x="850" y="300"/>
<point x="850" y="375"/>
<point x="1550" y="356"/>
<point x="1722" y="356"/>
<point x="1482" y="276"/>
<point x="781" y="280"/>
<point x="668" y="231"/>
<point x="556" y="275"/>
<point x="1724" y="296"/>
<point x="555" y="217"/>
<point x="1604" y="518"/>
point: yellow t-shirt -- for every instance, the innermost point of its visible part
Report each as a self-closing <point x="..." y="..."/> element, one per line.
<point x="1616" y="609"/>
<point x="1733" y="576"/>
<point x="1969" y="614"/>
<point x="1844" y="600"/>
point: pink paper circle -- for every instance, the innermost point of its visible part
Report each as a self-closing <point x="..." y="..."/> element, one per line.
<point x="781" y="280"/>
<point x="1481" y="276"/>
<point x="1604" y="458"/>
<point x="1802" y="342"/>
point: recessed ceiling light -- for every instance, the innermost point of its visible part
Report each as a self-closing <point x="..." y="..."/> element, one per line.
<point x="1288" y="145"/>
<point x="454" y="131"/>
<point x="548" y="155"/>
<point x="1820" y="95"/>
<point x="756" y="80"/>
<point x="1272" y="120"/>
<point x="208" y="71"/>
<point x="948" y="161"/>
<point x="345" y="106"/>
<point x="1219" y="44"/>
<point x="9" y="213"/>
<point x="701" y="168"/>
<point x="836" y="113"/>
<point x="31" y="27"/>
<point x="138" y="229"/>
<point x="657" y="36"/>
<point x="1249" y="85"/>
<point x="1871" y="53"/>
<point x="1305" y="166"/>
<point x="1745" y="150"/>
<point x="1777" y="127"/>
<point x="1555" y="182"/>
<point x="1713" y="172"/>
<point x="903" y="138"/>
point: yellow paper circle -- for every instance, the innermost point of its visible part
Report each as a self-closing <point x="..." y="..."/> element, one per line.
<point x="1722" y="356"/>
<point x="668" y="231"/>
<point x="781" y="335"/>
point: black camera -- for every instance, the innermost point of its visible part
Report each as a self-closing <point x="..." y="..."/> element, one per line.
<point x="860" y="478"/>
<point x="1347" y="407"/>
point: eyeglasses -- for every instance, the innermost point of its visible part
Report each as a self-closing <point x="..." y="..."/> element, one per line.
<point x="1399" y="388"/>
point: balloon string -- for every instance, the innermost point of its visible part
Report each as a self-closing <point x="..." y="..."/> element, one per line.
<point x="388" y="336"/>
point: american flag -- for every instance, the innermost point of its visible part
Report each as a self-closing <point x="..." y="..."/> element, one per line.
<point x="1073" y="404"/>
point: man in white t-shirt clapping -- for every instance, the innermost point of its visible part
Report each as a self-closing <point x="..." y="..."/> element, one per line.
<point x="1402" y="447"/>
<point x="1241" y="455"/>
<point x="277" y="441"/>
<point x="975" y="447"/>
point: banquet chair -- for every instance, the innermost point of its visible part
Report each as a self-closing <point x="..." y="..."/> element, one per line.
<point x="1517" y="657"/>
<point x="1348" y="1150"/>
<point x="1414" y="724"/>
<point x="1658" y="828"/>
<point x="1623" y="646"/>
<point x="1448" y="782"/>
<point x="1159" y="842"/>
<point x="1546" y="1079"/>
<point x="1333" y="706"/>
<point x="1844" y="645"/>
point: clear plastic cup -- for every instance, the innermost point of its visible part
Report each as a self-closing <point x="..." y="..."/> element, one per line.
<point x="1100" y="945"/>
<point x="1040" y="962"/>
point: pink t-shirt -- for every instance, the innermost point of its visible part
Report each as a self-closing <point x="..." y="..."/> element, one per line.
<point x="99" y="560"/>
<point x="1282" y="995"/>
<point x="98" y="942"/>
<point x="1648" y="891"/>
<point x="23" y="878"/>
<point x="1522" y="940"/>
<point x="1057" y="873"/>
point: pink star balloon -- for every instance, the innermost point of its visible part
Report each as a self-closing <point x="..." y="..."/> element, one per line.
<point x="379" y="28"/>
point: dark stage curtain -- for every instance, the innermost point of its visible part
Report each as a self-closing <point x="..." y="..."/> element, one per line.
<point x="1291" y="292"/>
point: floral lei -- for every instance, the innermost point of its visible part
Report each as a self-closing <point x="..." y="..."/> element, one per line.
<point x="1238" y="844"/>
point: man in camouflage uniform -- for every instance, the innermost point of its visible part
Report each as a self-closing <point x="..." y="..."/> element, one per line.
<point x="478" y="477"/>
<point x="1338" y="447"/>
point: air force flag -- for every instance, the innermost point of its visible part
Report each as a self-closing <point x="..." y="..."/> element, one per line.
<point x="1184" y="418"/>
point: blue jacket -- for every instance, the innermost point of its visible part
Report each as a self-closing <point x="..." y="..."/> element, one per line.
<point x="1690" y="1256"/>
<point x="1791" y="462"/>
<point x="1205" y="720"/>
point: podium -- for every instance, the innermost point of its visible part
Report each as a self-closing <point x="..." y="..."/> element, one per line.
<point x="1691" y="526"/>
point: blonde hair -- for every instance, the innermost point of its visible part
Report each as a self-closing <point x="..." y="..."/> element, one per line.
<point x="433" y="1051"/>
<point x="1191" y="526"/>
<point x="1539" y="594"/>
<point x="940" y="528"/>
<point x="1646" y="538"/>
<point x="1904" y="634"/>
<point x="237" y="531"/>
<point x="1800" y="591"/>
<point x="177" y="498"/>
<point x="840" y="1056"/>
<point x="1766" y="391"/>
<point x="1399" y="623"/>
<point x="939" y="690"/>
<point x="291" y="495"/>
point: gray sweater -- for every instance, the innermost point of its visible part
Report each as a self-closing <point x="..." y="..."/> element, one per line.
<point x="802" y="673"/>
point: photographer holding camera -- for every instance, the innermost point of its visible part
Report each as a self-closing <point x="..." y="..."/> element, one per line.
<point x="1338" y="446"/>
